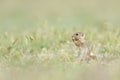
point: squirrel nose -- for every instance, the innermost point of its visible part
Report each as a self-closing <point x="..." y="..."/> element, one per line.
<point x="73" y="38"/>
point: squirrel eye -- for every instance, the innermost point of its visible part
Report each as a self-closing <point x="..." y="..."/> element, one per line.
<point x="76" y="34"/>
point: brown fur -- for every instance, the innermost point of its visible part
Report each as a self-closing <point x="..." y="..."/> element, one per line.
<point x="80" y="41"/>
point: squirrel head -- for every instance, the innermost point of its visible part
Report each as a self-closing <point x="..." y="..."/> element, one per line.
<point x="78" y="38"/>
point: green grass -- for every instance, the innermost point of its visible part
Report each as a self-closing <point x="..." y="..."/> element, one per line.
<point x="49" y="53"/>
<point x="35" y="39"/>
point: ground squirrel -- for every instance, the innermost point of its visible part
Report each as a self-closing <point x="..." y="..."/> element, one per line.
<point x="85" y="53"/>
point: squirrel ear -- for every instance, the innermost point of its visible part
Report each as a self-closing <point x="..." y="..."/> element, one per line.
<point x="83" y="35"/>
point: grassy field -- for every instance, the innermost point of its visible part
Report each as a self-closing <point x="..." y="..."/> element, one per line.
<point x="35" y="39"/>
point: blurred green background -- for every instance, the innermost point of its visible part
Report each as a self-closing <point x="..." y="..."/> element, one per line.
<point x="19" y="15"/>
